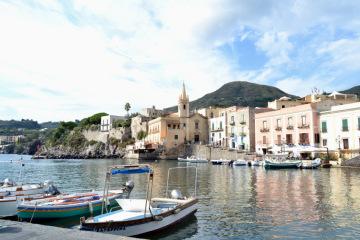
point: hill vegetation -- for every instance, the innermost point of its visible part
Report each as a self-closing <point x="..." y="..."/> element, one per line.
<point x="238" y="93"/>
<point x="353" y="90"/>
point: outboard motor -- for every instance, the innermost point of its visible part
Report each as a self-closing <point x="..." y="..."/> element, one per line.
<point x="176" y="194"/>
<point x="8" y="183"/>
<point x="128" y="187"/>
<point x="50" y="188"/>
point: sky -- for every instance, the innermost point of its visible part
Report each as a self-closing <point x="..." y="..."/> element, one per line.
<point x="66" y="60"/>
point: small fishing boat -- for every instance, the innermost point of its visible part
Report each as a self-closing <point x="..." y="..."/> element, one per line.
<point x="11" y="194"/>
<point x="139" y="217"/>
<point x="193" y="159"/>
<point x="255" y="163"/>
<point x="313" y="165"/>
<point x="220" y="162"/>
<point x="70" y="205"/>
<point x="240" y="162"/>
<point x="268" y="164"/>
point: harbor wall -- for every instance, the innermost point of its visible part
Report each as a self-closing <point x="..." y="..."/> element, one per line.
<point x="211" y="153"/>
<point x="354" y="162"/>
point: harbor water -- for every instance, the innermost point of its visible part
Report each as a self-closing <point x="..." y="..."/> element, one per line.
<point x="234" y="202"/>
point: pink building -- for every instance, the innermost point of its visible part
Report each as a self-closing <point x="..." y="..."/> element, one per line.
<point x="289" y="128"/>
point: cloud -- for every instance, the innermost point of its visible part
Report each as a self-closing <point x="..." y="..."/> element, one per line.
<point x="63" y="60"/>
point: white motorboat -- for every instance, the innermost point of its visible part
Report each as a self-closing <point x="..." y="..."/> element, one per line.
<point x="220" y="162"/>
<point x="139" y="217"/>
<point x="312" y="165"/>
<point x="11" y="194"/>
<point x="255" y="163"/>
<point x="193" y="159"/>
<point x="240" y="162"/>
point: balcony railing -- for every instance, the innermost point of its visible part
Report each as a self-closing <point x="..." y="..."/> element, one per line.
<point x="232" y="123"/>
<point x="242" y="122"/>
<point x="278" y="128"/>
<point x="242" y="134"/>
<point x="232" y="135"/>
<point x="324" y="130"/>
<point x="302" y="126"/>
<point x="345" y="129"/>
<point x="264" y="130"/>
<point x="217" y="130"/>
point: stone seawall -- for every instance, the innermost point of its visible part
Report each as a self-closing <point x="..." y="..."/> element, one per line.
<point x="210" y="153"/>
<point x="354" y="162"/>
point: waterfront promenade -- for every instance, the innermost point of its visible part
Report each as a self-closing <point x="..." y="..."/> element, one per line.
<point x="12" y="230"/>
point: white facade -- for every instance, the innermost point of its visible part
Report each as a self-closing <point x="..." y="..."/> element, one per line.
<point x="340" y="127"/>
<point x="107" y="122"/>
<point x="217" y="130"/>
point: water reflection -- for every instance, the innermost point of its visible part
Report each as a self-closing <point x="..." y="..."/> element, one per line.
<point x="239" y="202"/>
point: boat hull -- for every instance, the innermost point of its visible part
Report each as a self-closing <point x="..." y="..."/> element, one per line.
<point x="25" y="212"/>
<point x="8" y="208"/>
<point x="146" y="227"/>
<point x="271" y="165"/>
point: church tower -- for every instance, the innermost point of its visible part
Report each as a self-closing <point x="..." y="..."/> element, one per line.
<point x="183" y="104"/>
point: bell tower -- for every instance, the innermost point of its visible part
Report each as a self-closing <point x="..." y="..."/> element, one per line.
<point x="183" y="104"/>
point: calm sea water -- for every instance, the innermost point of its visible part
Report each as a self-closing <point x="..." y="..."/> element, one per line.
<point x="234" y="203"/>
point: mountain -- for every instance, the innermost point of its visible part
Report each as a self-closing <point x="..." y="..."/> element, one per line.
<point x="238" y="93"/>
<point x="353" y="90"/>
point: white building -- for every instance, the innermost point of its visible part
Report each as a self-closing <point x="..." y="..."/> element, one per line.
<point x="340" y="127"/>
<point x="107" y="122"/>
<point x="217" y="130"/>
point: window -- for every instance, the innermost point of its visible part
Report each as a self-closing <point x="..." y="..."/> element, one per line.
<point x="283" y="106"/>
<point x="174" y="126"/>
<point x="196" y="125"/>
<point x="278" y="122"/>
<point x="211" y="115"/>
<point x="212" y="126"/>
<point x="288" y="138"/>
<point x="219" y="135"/>
<point x="243" y="117"/>
<point x="232" y="118"/>
<point x="264" y="139"/>
<point x="346" y="143"/>
<point x="184" y="125"/>
<point x="345" y="126"/>
<point x="290" y="121"/>
<point x="317" y="138"/>
<point x="184" y="106"/>
<point x="304" y="138"/>
<point x="232" y="130"/>
<point x="169" y="125"/>
<point x="303" y="120"/>
<point x="176" y="137"/>
<point x="324" y="142"/>
<point x="278" y="139"/>
<point x="264" y="124"/>
<point x="220" y="125"/>
<point x="358" y="123"/>
<point x="324" y="127"/>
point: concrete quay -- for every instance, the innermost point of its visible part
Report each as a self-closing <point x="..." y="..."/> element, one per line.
<point x="12" y="230"/>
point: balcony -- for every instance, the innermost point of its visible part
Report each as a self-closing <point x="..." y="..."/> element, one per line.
<point x="278" y="128"/>
<point x="232" y="123"/>
<point x="232" y="135"/>
<point x="290" y="127"/>
<point x="217" y="130"/>
<point x="345" y="129"/>
<point x="303" y="126"/>
<point x="324" y="130"/>
<point x="243" y="123"/>
<point x="242" y="134"/>
<point x="264" y="130"/>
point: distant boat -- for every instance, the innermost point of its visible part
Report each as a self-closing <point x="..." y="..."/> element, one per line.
<point x="255" y="163"/>
<point x="220" y="162"/>
<point x="193" y="159"/>
<point x="313" y="165"/>
<point x="268" y="164"/>
<point x="240" y="162"/>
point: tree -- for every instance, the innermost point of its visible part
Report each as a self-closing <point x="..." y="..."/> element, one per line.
<point x="127" y="108"/>
<point x="141" y="135"/>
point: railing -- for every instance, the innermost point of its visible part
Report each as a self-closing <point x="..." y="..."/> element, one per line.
<point x="264" y="130"/>
<point x="232" y="135"/>
<point x="290" y="127"/>
<point x="242" y="122"/>
<point x="302" y="126"/>
<point x="278" y="128"/>
<point x="232" y="123"/>
<point x="324" y="130"/>
<point x="217" y="129"/>
<point x="345" y="129"/>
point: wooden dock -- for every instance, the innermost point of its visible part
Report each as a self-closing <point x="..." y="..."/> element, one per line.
<point x="12" y="230"/>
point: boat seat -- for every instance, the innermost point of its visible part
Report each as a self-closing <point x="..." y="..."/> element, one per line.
<point x="122" y="215"/>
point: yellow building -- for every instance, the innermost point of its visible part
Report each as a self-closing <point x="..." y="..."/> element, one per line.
<point x="174" y="129"/>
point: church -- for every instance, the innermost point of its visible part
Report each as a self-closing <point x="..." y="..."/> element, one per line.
<point x="174" y="129"/>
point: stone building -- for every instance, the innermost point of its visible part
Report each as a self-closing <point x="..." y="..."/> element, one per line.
<point x="174" y="129"/>
<point x="139" y="123"/>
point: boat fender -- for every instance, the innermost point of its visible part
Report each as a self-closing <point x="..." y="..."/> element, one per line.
<point x="158" y="218"/>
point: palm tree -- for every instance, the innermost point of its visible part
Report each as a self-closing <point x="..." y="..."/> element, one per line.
<point x="127" y="108"/>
